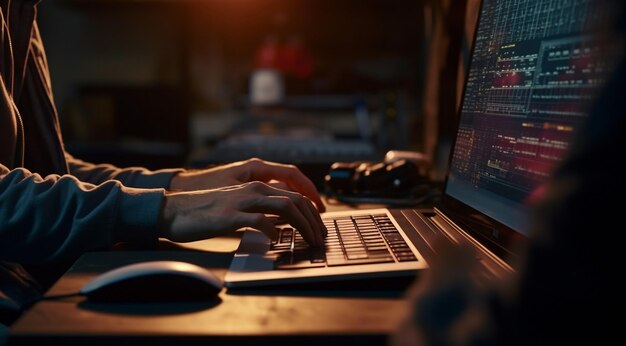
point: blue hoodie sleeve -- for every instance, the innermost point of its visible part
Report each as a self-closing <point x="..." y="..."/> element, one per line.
<point x="45" y="219"/>
<point x="133" y="177"/>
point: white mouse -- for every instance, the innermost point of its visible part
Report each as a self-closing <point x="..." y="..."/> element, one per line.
<point x="154" y="281"/>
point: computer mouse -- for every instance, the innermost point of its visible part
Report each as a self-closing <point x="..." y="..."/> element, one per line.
<point x="154" y="281"/>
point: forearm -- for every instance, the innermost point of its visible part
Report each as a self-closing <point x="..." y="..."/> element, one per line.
<point x="136" y="177"/>
<point x="59" y="217"/>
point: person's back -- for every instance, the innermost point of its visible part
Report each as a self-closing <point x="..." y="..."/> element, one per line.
<point x="572" y="285"/>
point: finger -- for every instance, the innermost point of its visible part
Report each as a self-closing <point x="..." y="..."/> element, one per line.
<point x="294" y="216"/>
<point x="302" y="203"/>
<point x="259" y="222"/>
<point x="279" y="185"/>
<point x="289" y="174"/>
<point x="285" y="207"/>
<point x="275" y="219"/>
<point x="313" y="216"/>
<point x="306" y="206"/>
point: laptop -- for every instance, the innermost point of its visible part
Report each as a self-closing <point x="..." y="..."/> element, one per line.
<point x="534" y="66"/>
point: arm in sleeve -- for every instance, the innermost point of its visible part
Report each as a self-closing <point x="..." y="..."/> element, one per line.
<point x="59" y="217"/>
<point x="134" y="176"/>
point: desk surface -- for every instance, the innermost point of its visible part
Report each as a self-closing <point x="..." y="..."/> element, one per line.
<point x="339" y="315"/>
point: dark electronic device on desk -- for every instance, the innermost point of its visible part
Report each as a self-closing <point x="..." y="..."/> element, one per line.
<point x="400" y="180"/>
<point x="513" y="129"/>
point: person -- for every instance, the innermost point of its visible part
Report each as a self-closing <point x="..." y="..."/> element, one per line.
<point x="54" y="207"/>
<point x="568" y="288"/>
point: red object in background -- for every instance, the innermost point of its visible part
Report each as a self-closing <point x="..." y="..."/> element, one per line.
<point x="267" y="54"/>
<point x="292" y="57"/>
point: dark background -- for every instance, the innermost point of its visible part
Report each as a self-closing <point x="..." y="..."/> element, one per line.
<point x="154" y="82"/>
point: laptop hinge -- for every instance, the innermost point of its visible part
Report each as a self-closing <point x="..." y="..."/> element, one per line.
<point x="457" y="235"/>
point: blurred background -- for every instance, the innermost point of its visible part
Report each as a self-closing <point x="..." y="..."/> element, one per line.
<point x="192" y="83"/>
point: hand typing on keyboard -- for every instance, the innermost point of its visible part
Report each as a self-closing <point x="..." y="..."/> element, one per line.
<point x="215" y="201"/>
<point x="285" y="177"/>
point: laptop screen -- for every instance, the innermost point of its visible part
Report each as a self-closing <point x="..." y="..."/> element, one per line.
<point x="536" y="64"/>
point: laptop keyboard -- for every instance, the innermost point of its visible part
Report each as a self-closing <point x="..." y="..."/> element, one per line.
<point x="363" y="239"/>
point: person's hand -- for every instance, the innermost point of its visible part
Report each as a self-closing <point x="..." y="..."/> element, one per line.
<point x="197" y="215"/>
<point x="286" y="177"/>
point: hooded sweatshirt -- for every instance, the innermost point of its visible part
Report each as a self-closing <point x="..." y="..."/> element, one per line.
<point x="54" y="207"/>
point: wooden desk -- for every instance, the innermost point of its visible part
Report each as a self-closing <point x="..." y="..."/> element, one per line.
<point x="303" y="316"/>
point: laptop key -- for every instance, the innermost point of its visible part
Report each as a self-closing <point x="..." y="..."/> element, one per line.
<point x="336" y="261"/>
<point x="406" y="258"/>
<point x="308" y="258"/>
<point x="360" y="261"/>
<point x="355" y="256"/>
<point x="299" y="265"/>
